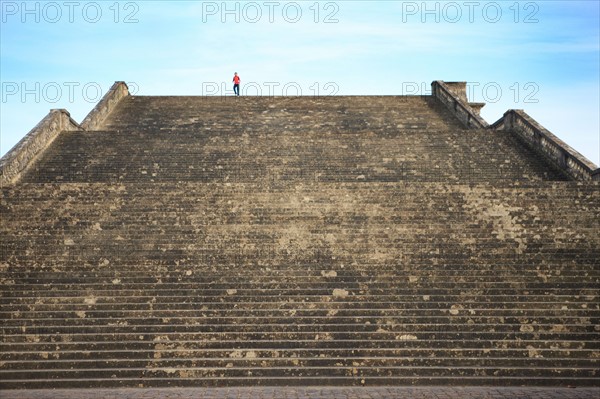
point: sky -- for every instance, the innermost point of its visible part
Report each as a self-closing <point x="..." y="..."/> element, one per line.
<point x="539" y="56"/>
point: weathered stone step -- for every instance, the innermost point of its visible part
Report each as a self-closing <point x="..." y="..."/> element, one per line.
<point x="240" y="211"/>
<point x="299" y="296"/>
<point x="133" y="338"/>
<point x="168" y="255"/>
<point x="400" y="295"/>
<point x="129" y="351"/>
<point x="473" y="380"/>
<point x="316" y="287"/>
<point x="276" y="279"/>
<point x="252" y="360"/>
<point x="526" y="191"/>
<point x="159" y="304"/>
<point x="78" y="357"/>
<point x="375" y="337"/>
<point x="554" y="263"/>
<point x="92" y="312"/>
<point x="143" y="318"/>
<point x="448" y="325"/>
<point x="196" y="277"/>
<point x="349" y="226"/>
<point x="178" y="262"/>
<point x="271" y="300"/>
<point x="125" y="247"/>
<point x="304" y="372"/>
<point x="267" y="200"/>
<point x="372" y="274"/>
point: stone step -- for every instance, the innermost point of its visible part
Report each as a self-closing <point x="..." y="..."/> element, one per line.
<point x="442" y="337"/>
<point x="584" y="345"/>
<point x="364" y="302"/>
<point x="267" y="196"/>
<point x="303" y="274"/>
<point x="521" y="326"/>
<point x="522" y="320"/>
<point x="252" y="360"/>
<point x="194" y="274"/>
<point x="226" y="349"/>
<point x="185" y="280"/>
<point x="99" y="304"/>
<point x="402" y="370"/>
<point x="275" y="280"/>
<point x="118" y="288"/>
<point x="34" y="339"/>
<point x="92" y="313"/>
<point x="147" y="382"/>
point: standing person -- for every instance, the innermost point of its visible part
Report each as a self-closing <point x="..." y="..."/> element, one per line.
<point x="236" y="84"/>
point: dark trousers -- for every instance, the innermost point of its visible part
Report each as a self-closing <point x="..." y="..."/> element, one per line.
<point x="236" y="89"/>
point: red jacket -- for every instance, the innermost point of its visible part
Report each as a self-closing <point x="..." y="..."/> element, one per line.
<point x="236" y="80"/>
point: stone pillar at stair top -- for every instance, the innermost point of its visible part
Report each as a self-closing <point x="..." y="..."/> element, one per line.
<point x="477" y="107"/>
<point x="458" y="88"/>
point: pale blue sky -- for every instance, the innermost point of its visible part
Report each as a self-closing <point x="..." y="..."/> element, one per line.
<point x="540" y="56"/>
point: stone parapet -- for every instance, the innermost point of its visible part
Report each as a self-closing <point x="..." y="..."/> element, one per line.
<point x="543" y="141"/>
<point x="454" y="96"/>
<point x="108" y="103"/>
<point x="16" y="161"/>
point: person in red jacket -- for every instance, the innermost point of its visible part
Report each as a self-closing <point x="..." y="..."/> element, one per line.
<point x="236" y="84"/>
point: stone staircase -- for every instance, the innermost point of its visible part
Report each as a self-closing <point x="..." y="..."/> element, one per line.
<point x="196" y="241"/>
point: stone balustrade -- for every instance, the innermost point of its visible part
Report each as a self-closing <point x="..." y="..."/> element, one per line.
<point x="453" y="95"/>
<point x="546" y="143"/>
<point x="17" y="160"/>
<point x="14" y="163"/>
<point x="108" y="103"/>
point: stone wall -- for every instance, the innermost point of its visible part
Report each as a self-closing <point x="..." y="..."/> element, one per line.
<point x="14" y="163"/>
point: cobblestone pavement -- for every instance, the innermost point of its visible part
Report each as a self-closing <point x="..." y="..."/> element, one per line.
<point x="310" y="393"/>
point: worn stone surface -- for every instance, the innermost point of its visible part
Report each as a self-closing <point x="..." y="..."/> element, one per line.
<point x="312" y="393"/>
<point x="198" y="241"/>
